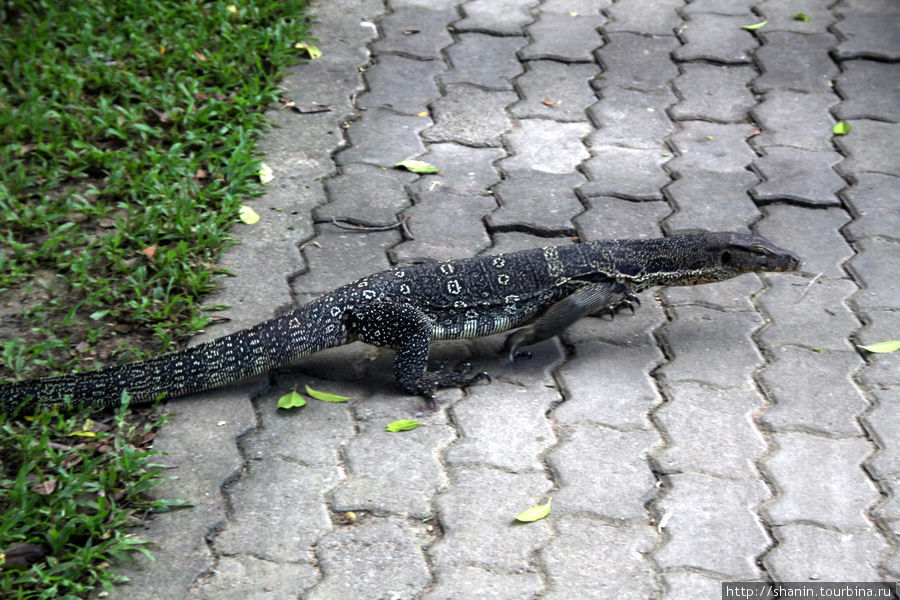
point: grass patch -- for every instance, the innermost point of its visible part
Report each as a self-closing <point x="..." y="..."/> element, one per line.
<point x="128" y="132"/>
<point x="128" y="147"/>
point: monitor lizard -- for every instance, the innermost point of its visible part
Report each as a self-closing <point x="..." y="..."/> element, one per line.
<point x="539" y="291"/>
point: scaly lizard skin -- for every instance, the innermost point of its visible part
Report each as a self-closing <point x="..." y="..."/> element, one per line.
<point x="543" y="291"/>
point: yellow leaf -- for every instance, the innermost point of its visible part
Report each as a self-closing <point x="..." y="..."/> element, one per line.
<point x="535" y="513"/>
<point x="266" y="174"/>
<point x="231" y="8"/>
<point x="883" y="347"/>
<point x="310" y="50"/>
<point x="424" y="113"/>
<point x="402" y="425"/>
<point x="248" y="215"/>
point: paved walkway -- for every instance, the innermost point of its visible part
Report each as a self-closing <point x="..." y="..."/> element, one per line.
<point x="725" y="432"/>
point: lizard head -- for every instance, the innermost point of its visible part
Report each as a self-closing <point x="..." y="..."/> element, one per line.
<point x="744" y="253"/>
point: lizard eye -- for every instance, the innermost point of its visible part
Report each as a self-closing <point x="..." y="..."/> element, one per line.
<point x="758" y="250"/>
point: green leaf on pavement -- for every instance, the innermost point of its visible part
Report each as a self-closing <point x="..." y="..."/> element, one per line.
<point x="755" y="26"/>
<point x="417" y="166"/>
<point x="535" y="513"/>
<point x="312" y="51"/>
<point x="402" y="425"/>
<point x="801" y="17"/>
<point x="841" y="128"/>
<point x="883" y="347"/>
<point x="325" y="396"/>
<point x="291" y="399"/>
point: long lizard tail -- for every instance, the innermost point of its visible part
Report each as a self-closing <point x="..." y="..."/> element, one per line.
<point x="209" y="365"/>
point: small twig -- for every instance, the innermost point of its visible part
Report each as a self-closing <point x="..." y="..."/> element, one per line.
<point x="353" y="227"/>
<point x="310" y="243"/>
<point x="806" y="289"/>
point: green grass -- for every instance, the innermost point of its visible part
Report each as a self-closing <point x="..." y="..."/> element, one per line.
<point x="127" y="145"/>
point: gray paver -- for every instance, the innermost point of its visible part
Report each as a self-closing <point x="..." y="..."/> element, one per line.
<point x="649" y="17"/>
<point x="484" y="60"/>
<point x="873" y="201"/>
<point x="781" y="16"/>
<point x="366" y="561"/>
<point x="870" y="146"/>
<point x="704" y="146"/>
<point x="883" y="370"/>
<point x="710" y="431"/>
<point x="547" y="146"/>
<point x="783" y="50"/>
<point x="385" y="195"/>
<point x="687" y="586"/>
<point x="500" y="17"/>
<point x="732" y="295"/>
<point x="813" y="235"/>
<point x="473" y="582"/>
<point x="711" y="346"/>
<point x="869" y="36"/>
<point x="637" y="62"/>
<point x="717" y="38"/>
<point x="630" y="173"/>
<point x="795" y="119"/>
<point x="831" y="491"/>
<point x="464" y="170"/>
<point x="470" y="116"/>
<point x="884" y="419"/>
<point x="249" y="578"/>
<point x="564" y="36"/>
<point x="713" y="92"/>
<point x="367" y="138"/>
<point x="403" y="84"/>
<point x="719" y="7"/>
<point x="803" y="176"/>
<point x="631" y="118"/>
<point x="869" y="90"/>
<point x="713" y="201"/>
<point x="412" y="31"/>
<point x="813" y="391"/>
<point x="618" y="569"/>
<point x="611" y="218"/>
<point x="537" y="202"/>
<point x="428" y="219"/>
<point x="555" y="90"/>
<point x="702" y="510"/>
<point x="877" y="268"/>
<point x="850" y="556"/>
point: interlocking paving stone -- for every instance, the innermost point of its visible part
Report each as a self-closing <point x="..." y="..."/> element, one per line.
<point x="795" y="119"/>
<point x="883" y="370"/>
<point x="403" y="84"/>
<point x="279" y="512"/>
<point x="732" y="294"/>
<point x="428" y="221"/>
<point x="703" y="510"/>
<point x="529" y="146"/>
<point x="615" y="555"/>
<point x="869" y="90"/>
<point x="564" y="36"/>
<point x="477" y="521"/>
<point x="649" y="17"/>
<point x="710" y="431"/>
<point x="464" y="170"/>
<point x="629" y="173"/>
<point x="242" y="577"/>
<point x="412" y="31"/>
<point x="637" y="62"/>
<point x="711" y="346"/>
<point x="374" y="482"/>
<point x="503" y="426"/>
<point x="780" y="54"/>
<point x="717" y="38"/>
<point x="537" y="201"/>
<point x="555" y="90"/>
<point x="885" y="421"/>
<point x="869" y="36"/>
<point x="582" y="7"/>
<point x="804" y="176"/>
<point x="470" y="116"/>
<point x="811" y="314"/>
<point x="877" y="268"/>
<point x="340" y="257"/>
<point x="719" y="7"/>
<point x="870" y="146"/>
<point x="631" y="118"/>
<point x="364" y="561"/>
<point x="781" y="16"/>
<point x="604" y="472"/>
<point x="385" y="195"/>
<point x="849" y="556"/>
<point x="472" y="582"/>
<point x="873" y="201"/>
<point x="688" y="586"/>
<point x="705" y="146"/>
<point x="713" y="92"/>
<point x="831" y="490"/>
<point x="500" y="17"/>
<point x="367" y="138"/>
<point x="813" y="234"/>
<point x="813" y="391"/>
<point x="484" y="60"/>
<point x="625" y="329"/>
<point x="713" y="201"/>
<point x="608" y="385"/>
<point x="611" y="218"/>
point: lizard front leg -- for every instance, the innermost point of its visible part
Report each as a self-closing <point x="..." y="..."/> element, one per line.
<point x="591" y="298"/>
<point x="408" y="331"/>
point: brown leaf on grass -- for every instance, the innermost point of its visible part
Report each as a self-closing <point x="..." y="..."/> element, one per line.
<point x="45" y="488"/>
<point x="201" y="177"/>
<point x="149" y="251"/>
<point x="200" y="56"/>
<point x="163" y="117"/>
